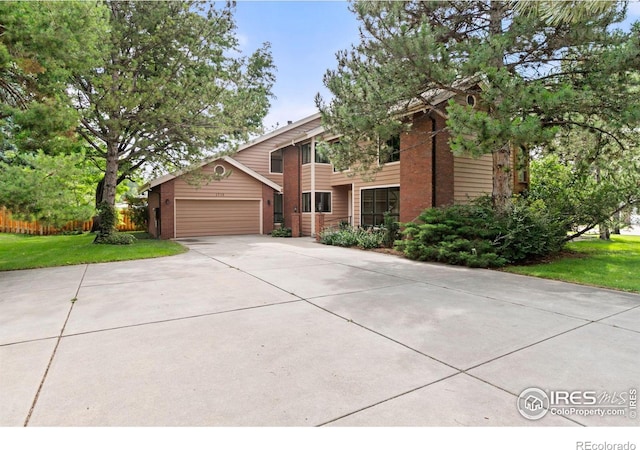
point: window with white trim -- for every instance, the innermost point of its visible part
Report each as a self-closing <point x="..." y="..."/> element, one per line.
<point x="276" y="161"/>
<point x="306" y="153"/>
<point x="376" y="202"/>
<point x="306" y="202"/>
<point x="320" y="157"/>
<point x="323" y="202"/>
<point x="390" y="152"/>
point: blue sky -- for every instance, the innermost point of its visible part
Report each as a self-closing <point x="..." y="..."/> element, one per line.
<point x="305" y="36"/>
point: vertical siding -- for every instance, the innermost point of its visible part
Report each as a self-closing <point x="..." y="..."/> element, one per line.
<point x="237" y="185"/>
<point x="472" y="177"/>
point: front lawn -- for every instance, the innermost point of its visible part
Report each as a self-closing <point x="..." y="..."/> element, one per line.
<point x="19" y="251"/>
<point x="613" y="264"/>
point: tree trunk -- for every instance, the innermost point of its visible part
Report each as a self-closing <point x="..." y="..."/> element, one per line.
<point x="605" y="234"/>
<point x="95" y="225"/>
<point x="111" y="175"/>
<point x="109" y="183"/>
<point x="502" y="185"/>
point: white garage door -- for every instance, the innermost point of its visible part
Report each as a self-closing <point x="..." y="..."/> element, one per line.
<point x="217" y="217"/>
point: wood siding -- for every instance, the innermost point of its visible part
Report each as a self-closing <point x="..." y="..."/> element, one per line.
<point x="472" y="177"/>
<point x="217" y="217"/>
<point x="306" y="224"/>
<point x="339" y="206"/>
<point x="237" y="185"/>
<point x="389" y="175"/>
<point x="257" y="156"/>
<point x="305" y="174"/>
<point x="323" y="177"/>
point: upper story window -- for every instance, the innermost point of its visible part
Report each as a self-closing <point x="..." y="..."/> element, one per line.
<point x="306" y="153"/>
<point x="391" y="150"/>
<point x="321" y="158"/>
<point x="276" y="161"/>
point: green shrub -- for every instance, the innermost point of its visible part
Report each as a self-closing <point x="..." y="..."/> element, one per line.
<point x="530" y="232"/>
<point x="116" y="239"/>
<point x="475" y="236"/>
<point x="369" y="238"/>
<point x="391" y="230"/>
<point x="281" y="232"/>
<point x="352" y="237"/>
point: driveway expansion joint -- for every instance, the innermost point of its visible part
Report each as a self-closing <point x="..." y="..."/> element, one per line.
<point x="55" y="349"/>
<point x="177" y="319"/>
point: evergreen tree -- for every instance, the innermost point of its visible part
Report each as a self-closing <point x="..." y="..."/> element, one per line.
<point x="531" y="76"/>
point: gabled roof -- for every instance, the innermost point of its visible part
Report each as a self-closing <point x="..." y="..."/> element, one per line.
<point x="252" y="173"/>
<point x="280" y="131"/>
<point x="436" y="96"/>
<point x="303" y="136"/>
<point x="240" y="166"/>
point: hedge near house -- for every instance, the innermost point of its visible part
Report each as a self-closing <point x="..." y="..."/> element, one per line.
<point x="476" y="236"/>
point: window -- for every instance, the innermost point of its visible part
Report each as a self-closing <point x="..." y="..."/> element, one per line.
<point x="219" y="170"/>
<point x="276" y="161"/>
<point x="306" y="153"/>
<point x="306" y="202"/>
<point x="376" y="202"/>
<point x="320" y="157"/>
<point x="322" y="202"/>
<point x="390" y="152"/>
<point x="278" y="216"/>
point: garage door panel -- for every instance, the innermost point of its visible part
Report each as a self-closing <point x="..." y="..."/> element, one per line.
<point x="217" y="217"/>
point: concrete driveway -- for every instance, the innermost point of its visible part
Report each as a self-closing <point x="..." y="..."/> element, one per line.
<point x="254" y="330"/>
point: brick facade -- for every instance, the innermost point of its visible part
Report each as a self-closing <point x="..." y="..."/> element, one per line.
<point x="291" y="184"/>
<point x="444" y="165"/>
<point x="417" y="167"/>
<point x="267" y="209"/>
<point x="154" y="203"/>
<point x="167" y="205"/>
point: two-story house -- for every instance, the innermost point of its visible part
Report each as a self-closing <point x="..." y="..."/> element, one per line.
<point x="280" y="178"/>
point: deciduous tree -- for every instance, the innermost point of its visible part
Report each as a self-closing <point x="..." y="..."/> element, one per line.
<point x="170" y="85"/>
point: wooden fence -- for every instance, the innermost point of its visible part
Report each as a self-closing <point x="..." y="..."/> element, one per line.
<point x="8" y="225"/>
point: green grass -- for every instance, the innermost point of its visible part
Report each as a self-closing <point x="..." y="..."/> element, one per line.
<point x="612" y="264"/>
<point x="19" y="251"/>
